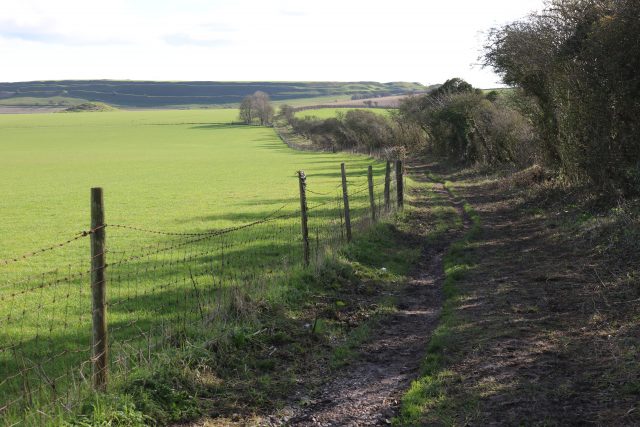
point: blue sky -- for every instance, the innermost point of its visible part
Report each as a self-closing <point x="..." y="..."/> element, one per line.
<point x="342" y="40"/>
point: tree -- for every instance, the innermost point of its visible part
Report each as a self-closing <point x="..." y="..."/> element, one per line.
<point x="256" y="106"/>
<point x="453" y="86"/>
<point x="578" y="59"/>
<point x="459" y="123"/>
<point x="247" y="112"/>
<point x="287" y="112"/>
<point x="263" y="107"/>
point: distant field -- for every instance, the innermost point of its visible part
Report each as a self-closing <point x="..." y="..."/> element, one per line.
<point x="172" y="171"/>
<point x="153" y="164"/>
<point x="316" y="100"/>
<point x="327" y="113"/>
<point x="153" y="94"/>
<point x="53" y="101"/>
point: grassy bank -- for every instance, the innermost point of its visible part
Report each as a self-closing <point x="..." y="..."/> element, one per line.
<point x="268" y="345"/>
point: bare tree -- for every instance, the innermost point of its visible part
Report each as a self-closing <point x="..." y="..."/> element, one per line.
<point x="256" y="106"/>
<point x="247" y="110"/>
<point x="287" y="112"/>
<point x="263" y="107"/>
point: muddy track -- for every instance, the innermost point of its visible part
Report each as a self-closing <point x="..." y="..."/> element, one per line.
<point x="368" y="392"/>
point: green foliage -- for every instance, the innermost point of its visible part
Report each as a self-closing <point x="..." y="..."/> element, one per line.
<point x="453" y="86"/>
<point x="578" y="60"/>
<point x="90" y="107"/>
<point x="384" y="250"/>
<point x="166" y="394"/>
<point x="108" y="411"/>
<point x="464" y="125"/>
<point x="34" y="101"/>
<point x="336" y="113"/>
<point x="363" y="130"/>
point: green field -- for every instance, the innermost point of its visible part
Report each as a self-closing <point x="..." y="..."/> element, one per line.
<point x="329" y="113"/>
<point x="53" y="101"/>
<point x="171" y="171"/>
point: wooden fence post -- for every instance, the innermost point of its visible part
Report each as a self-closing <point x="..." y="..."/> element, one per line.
<point x="100" y="342"/>
<point x="372" y="201"/>
<point x="387" y="187"/>
<point x="302" y="179"/>
<point x="341" y="222"/>
<point x="345" y="201"/>
<point x="399" y="184"/>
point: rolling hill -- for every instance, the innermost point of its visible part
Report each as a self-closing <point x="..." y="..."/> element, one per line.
<point x="151" y="94"/>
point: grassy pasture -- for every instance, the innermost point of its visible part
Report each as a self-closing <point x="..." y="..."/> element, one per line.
<point x="29" y="101"/>
<point x="175" y="171"/>
<point x="328" y="113"/>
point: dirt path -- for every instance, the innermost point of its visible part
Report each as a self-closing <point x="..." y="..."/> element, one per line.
<point x="368" y="392"/>
<point x="547" y="329"/>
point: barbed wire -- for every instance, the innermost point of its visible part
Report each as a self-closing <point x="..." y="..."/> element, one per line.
<point x="203" y="237"/>
<point x="204" y="233"/>
<point x="318" y="193"/>
<point x="76" y="237"/>
<point x="187" y="278"/>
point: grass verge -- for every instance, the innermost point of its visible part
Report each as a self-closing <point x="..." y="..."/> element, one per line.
<point x="252" y="364"/>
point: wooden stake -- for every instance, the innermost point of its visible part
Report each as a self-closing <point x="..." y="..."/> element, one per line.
<point x="302" y="179"/>
<point x="399" y="184"/>
<point x="372" y="200"/>
<point x="387" y="187"/>
<point x="345" y="201"/>
<point x="100" y="354"/>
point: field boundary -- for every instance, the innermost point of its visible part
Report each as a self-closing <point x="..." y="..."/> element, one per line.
<point x="197" y="283"/>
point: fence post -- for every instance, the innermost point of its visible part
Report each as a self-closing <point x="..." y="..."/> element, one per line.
<point x="372" y="201"/>
<point x="302" y="179"/>
<point x="399" y="184"/>
<point x="98" y="292"/>
<point x="345" y="201"/>
<point x="341" y="222"/>
<point x="387" y="187"/>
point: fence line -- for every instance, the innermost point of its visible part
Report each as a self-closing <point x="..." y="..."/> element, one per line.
<point x="55" y="345"/>
<point x="55" y="246"/>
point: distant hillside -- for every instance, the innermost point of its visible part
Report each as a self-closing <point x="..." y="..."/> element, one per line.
<point x="90" y="107"/>
<point x="162" y="94"/>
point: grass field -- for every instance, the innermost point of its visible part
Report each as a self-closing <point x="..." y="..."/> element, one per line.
<point x="42" y="102"/>
<point x="173" y="171"/>
<point x="328" y="113"/>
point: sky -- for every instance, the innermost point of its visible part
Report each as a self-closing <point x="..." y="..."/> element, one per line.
<point x="424" y="41"/>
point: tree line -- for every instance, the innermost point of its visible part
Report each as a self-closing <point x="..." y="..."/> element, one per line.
<point x="455" y="120"/>
<point x="573" y="105"/>
<point x="577" y="64"/>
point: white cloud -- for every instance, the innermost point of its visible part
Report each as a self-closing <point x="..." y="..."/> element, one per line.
<point x="412" y="40"/>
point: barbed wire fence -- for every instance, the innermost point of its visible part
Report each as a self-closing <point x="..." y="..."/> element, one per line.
<point x="57" y="343"/>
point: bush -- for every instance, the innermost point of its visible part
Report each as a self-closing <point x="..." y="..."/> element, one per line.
<point x="463" y="125"/>
<point x="578" y="60"/>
